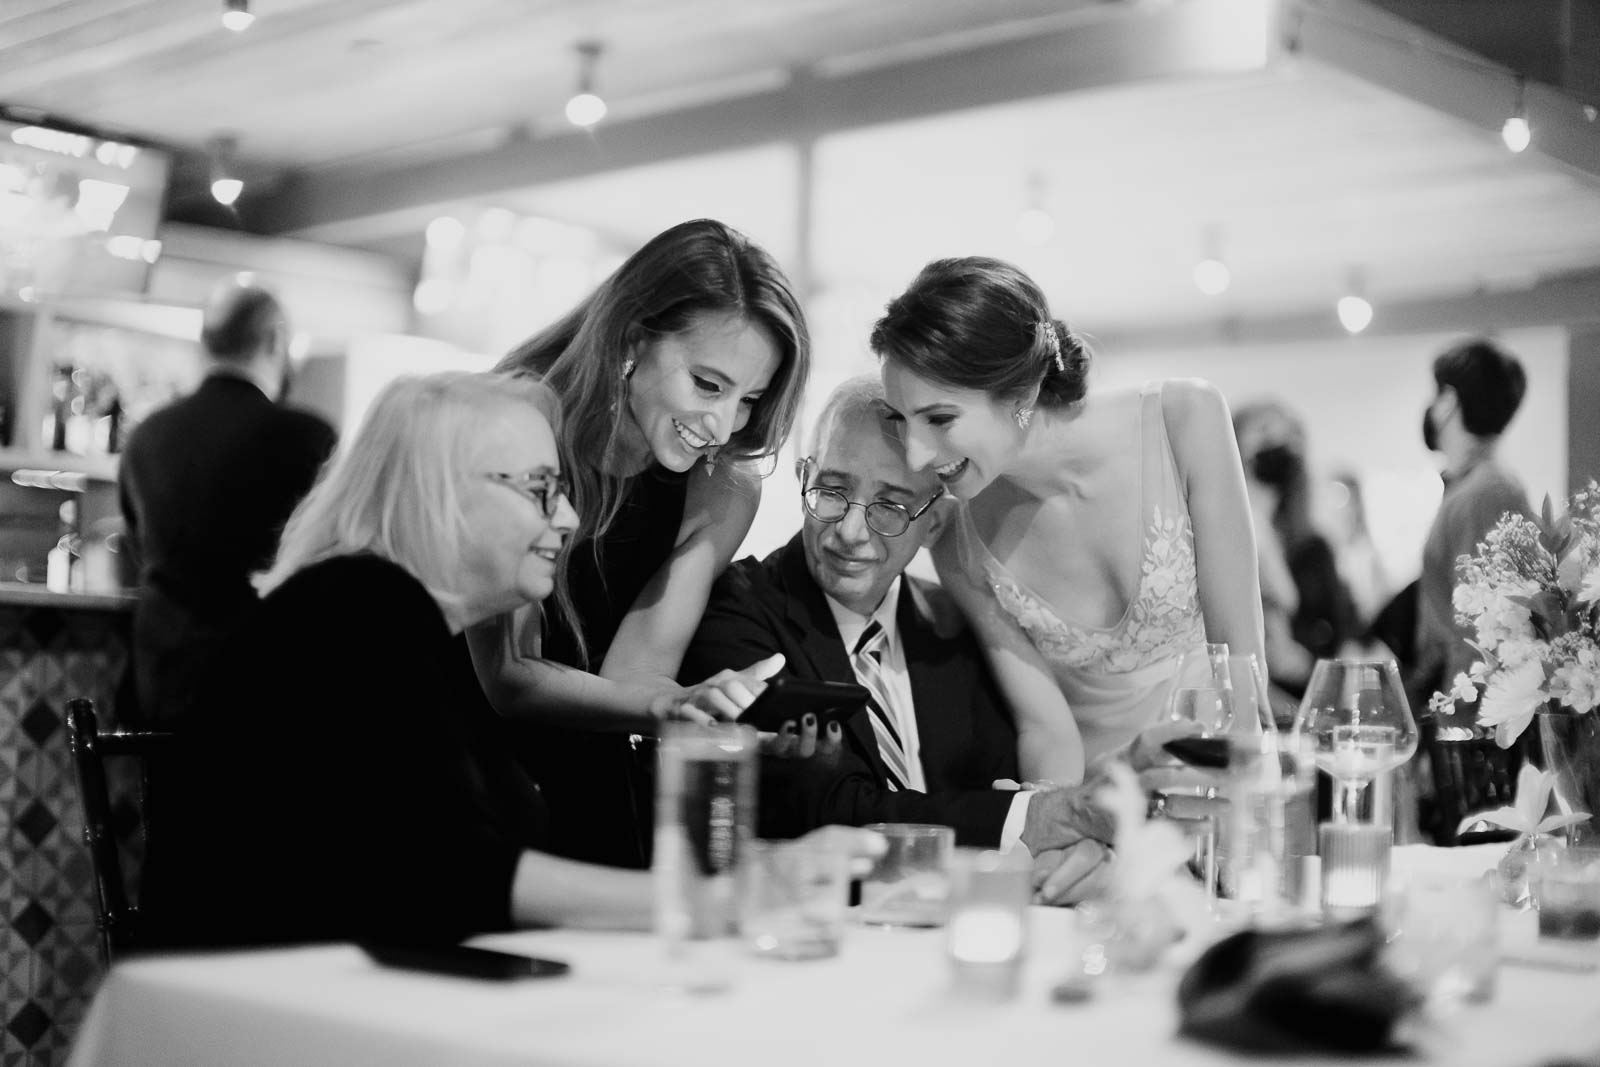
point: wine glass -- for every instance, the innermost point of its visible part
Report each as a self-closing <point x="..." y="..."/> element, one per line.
<point x="1355" y="716"/>
<point x="1199" y="690"/>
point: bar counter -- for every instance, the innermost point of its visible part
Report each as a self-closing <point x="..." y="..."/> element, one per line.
<point x="53" y="647"/>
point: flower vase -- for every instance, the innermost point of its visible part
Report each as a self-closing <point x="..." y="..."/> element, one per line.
<point x="1519" y="868"/>
<point x="1570" y="744"/>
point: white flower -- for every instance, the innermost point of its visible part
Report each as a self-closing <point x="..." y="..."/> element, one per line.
<point x="1513" y="696"/>
<point x="1577" y="684"/>
<point x="1589" y="592"/>
<point x="1149" y="852"/>
<point x="1464" y="688"/>
<point x="1513" y="652"/>
<point x="1502" y="620"/>
<point x="1526" y="816"/>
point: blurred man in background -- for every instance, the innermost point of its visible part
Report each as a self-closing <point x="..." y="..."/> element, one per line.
<point x="206" y="485"/>
<point x="1479" y="388"/>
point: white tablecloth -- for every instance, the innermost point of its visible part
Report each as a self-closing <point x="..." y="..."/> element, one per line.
<point x="885" y="1000"/>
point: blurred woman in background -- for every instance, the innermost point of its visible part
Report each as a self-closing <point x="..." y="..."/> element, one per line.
<point x="1306" y="606"/>
<point x="677" y="378"/>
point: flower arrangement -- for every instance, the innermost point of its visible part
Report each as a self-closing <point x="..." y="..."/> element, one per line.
<point x="1531" y="594"/>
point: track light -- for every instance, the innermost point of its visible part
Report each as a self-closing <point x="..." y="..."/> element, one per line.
<point x="1211" y="274"/>
<point x="1355" y="312"/>
<point x="586" y="108"/>
<point x="226" y="185"/>
<point x="236" y="15"/>
<point x="1516" y="132"/>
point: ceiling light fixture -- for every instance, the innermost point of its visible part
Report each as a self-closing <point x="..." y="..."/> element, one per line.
<point x="236" y="15"/>
<point x="586" y="108"/>
<point x="1516" y="132"/>
<point x="226" y="185"/>
<point x="1355" y="312"/>
<point x="1211" y="274"/>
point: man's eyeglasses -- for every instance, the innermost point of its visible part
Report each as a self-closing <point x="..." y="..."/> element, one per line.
<point x="883" y="516"/>
<point x="546" y="490"/>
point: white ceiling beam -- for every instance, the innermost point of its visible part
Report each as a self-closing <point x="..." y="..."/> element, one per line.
<point x="1116" y="44"/>
<point x="1361" y="39"/>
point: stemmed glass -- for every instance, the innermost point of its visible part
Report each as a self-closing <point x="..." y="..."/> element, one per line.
<point x="1355" y="716"/>
<point x="1224" y="694"/>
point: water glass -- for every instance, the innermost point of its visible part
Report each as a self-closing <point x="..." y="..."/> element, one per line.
<point x="1271" y="825"/>
<point x="705" y="811"/>
<point x="1567" y="895"/>
<point x="910" y="883"/>
<point x="795" y="897"/>
<point x="1444" y="936"/>
<point x="1356" y="715"/>
<point x="987" y="934"/>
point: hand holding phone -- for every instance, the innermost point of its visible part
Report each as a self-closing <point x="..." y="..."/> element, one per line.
<point x="790" y="699"/>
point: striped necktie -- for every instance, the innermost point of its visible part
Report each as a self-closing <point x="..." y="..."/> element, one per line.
<point x="867" y="659"/>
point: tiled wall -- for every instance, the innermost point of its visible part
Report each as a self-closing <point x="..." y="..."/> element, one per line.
<point x="49" y="956"/>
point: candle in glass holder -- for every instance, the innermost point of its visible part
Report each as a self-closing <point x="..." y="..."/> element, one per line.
<point x="1355" y="866"/>
<point x="986" y="935"/>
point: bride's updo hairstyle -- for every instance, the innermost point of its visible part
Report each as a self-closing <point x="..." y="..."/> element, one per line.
<point x="979" y="323"/>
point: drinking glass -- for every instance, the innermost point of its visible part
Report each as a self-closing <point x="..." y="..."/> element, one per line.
<point x="1199" y="690"/>
<point x="910" y="883"/>
<point x="795" y="897"/>
<point x="1356" y="717"/>
<point x="1225" y="694"/>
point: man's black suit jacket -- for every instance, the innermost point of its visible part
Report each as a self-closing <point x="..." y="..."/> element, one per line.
<point x="206" y="484"/>
<point x="967" y="739"/>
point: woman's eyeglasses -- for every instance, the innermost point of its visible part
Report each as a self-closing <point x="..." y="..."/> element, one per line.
<point x="883" y="516"/>
<point x="546" y="490"/>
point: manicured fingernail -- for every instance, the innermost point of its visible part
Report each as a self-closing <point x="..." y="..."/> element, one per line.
<point x="788" y="727"/>
<point x="810" y="720"/>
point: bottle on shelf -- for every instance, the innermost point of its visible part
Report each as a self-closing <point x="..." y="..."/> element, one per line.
<point x="64" y="572"/>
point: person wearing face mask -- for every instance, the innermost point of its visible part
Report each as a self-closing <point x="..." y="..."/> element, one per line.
<point x="1306" y="606"/>
<point x="206" y="484"/>
<point x="1098" y="535"/>
<point x="1478" y="388"/>
<point x="678" y="377"/>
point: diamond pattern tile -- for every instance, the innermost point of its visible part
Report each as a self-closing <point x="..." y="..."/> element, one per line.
<point x="41" y="721"/>
<point x="36" y="822"/>
<point x="49" y="952"/>
<point x="29" y="1023"/>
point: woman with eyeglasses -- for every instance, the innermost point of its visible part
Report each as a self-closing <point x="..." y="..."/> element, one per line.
<point x="352" y="785"/>
<point x="677" y="378"/>
<point x="1099" y="536"/>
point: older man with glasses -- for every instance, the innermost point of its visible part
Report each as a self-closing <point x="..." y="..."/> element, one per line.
<point x="936" y="735"/>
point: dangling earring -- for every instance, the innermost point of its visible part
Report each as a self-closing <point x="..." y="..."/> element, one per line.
<point x="627" y="372"/>
<point x="711" y="461"/>
<point x="1024" y="415"/>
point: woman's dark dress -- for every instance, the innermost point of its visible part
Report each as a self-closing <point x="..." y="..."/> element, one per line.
<point x="343" y="778"/>
<point x="600" y="786"/>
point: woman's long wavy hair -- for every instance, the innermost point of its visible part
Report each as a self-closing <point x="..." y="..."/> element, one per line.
<point x="394" y="492"/>
<point x="691" y="270"/>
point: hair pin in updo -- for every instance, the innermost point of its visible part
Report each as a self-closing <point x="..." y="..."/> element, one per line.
<point x="1047" y="329"/>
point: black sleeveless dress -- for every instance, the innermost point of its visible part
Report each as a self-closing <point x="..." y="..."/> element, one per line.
<point x="600" y="787"/>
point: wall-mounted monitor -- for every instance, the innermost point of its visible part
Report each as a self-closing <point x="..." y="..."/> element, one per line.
<point x="79" y="213"/>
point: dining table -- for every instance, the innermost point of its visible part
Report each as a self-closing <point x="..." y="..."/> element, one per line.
<point x="886" y="998"/>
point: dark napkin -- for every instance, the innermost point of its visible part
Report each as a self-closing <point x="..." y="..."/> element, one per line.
<point x="1287" y="991"/>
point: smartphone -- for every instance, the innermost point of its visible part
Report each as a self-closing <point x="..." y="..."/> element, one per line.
<point x="1200" y="751"/>
<point x="788" y="699"/>
<point x="464" y="961"/>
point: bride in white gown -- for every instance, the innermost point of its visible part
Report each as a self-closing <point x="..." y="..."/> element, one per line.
<point x="1098" y="536"/>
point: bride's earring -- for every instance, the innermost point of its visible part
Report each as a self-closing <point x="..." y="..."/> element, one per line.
<point x="1024" y="415"/>
<point x="711" y="461"/>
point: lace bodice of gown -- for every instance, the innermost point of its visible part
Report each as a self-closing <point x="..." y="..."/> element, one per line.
<point x="1117" y="672"/>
